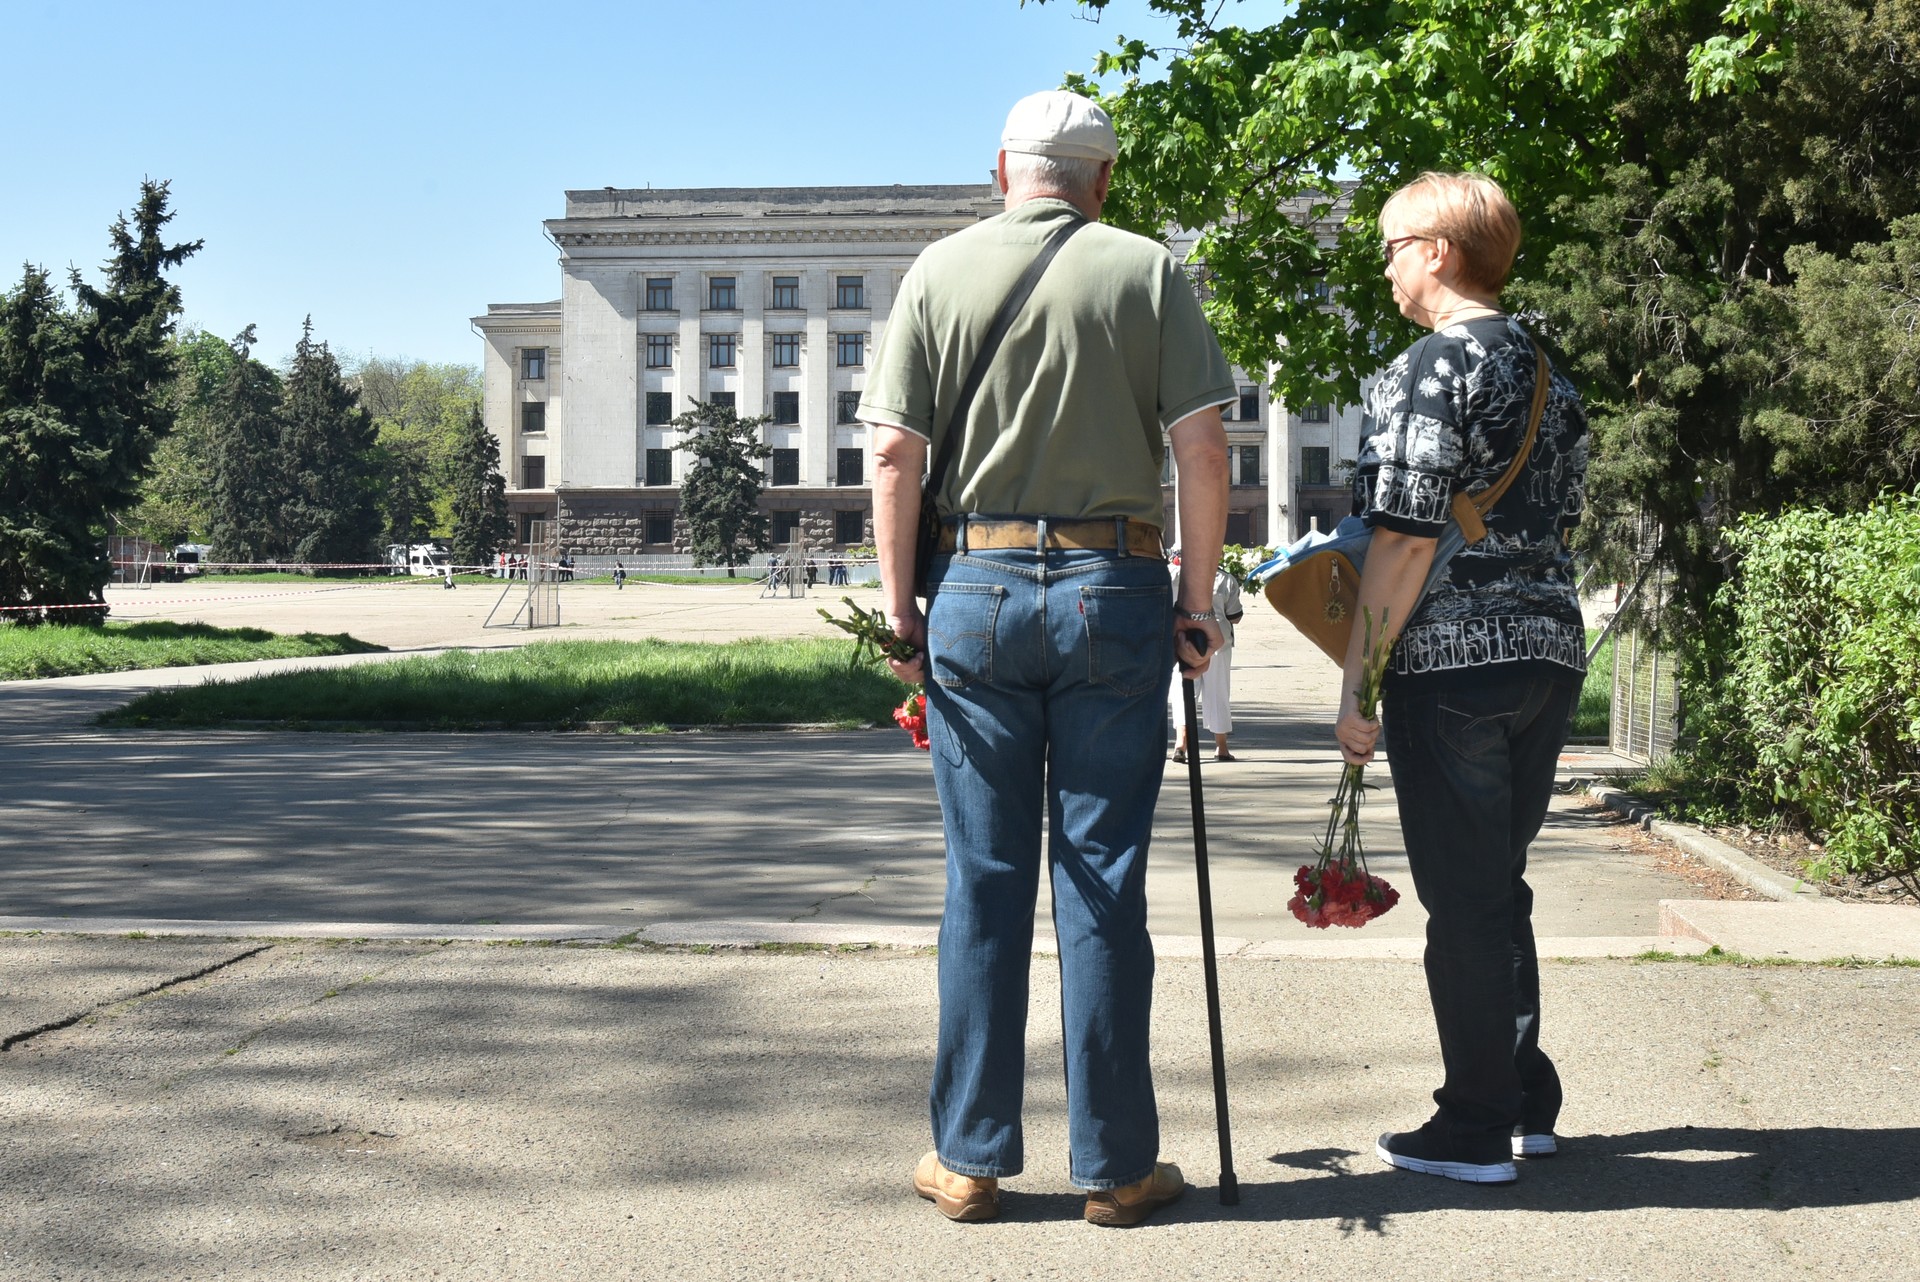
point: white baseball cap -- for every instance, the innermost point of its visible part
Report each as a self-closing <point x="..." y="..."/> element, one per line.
<point x="1054" y="122"/>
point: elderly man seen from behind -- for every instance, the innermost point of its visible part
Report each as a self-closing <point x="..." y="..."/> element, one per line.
<point x="1048" y="636"/>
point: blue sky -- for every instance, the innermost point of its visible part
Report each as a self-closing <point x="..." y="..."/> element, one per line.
<point x="386" y="167"/>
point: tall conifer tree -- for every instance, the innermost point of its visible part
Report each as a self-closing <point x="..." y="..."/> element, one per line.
<point x="333" y="513"/>
<point x="480" y="524"/>
<point x="721" y="496"/>
<point x="83" y="401"/>
<point x="249" y="479"/>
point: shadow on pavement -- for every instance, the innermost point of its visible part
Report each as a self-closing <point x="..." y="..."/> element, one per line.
<point x="1682" y="1168"/>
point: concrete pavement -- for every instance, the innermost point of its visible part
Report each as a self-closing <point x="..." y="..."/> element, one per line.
<point x="626" y="831"/>
<point x="324" y="1110"/>
<point x="309" y="1103"/>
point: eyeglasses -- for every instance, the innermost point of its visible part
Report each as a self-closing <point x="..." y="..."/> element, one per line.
<point x="1390" y="248"/>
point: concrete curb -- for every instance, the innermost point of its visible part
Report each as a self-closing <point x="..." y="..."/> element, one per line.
<point x="751" y="935"/>
<point x="1751" y="872"/>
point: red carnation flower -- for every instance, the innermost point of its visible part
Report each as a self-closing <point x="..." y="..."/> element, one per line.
<point x="911" y="716"/>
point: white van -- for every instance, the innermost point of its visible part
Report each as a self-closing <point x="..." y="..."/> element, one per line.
<point x="420" y="559"/>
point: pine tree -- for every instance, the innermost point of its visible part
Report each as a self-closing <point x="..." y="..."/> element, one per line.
<point x="721" y="495"/>
<point x="332" y="511"/>
<point x="45" y="397"/>
<point x="406" y="503"/>
<point x="83" y="401"/>
<point x="480" y="523"/>
<point x="249" y="481"/>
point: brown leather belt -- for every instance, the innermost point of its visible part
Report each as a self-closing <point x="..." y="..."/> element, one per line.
<point x="986" y="534"/>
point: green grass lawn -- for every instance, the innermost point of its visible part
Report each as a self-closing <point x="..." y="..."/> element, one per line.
<point x="647" y="685"/>
<point x="1593" y="719"/>
<point x="64" y="650"/>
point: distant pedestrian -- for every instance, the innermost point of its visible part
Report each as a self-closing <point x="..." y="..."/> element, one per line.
<point x="619" y="575"/>
<point x="446" y="571"/>
<point x="1214" y="687"/>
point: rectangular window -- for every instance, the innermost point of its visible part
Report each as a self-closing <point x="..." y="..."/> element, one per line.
<point x="1249" y="404"/>
<point x="533" y="473"/>
<point x="786" y="407"/>
<point x="659" y="351"/>
<point x="1314" y="414"/>
<point x="659" y="469"/>
<point x="533" y="363"/>
<point x="720" y="349"/>
<point x="786" y="467"/>
<point x="659" y="293"/>
<point x="846" y="407"/>
<point x="850" y="350"/>
<point x="850" y="527"/>
<point x="786" y="528"/>
<point x="660" y="528"/>
<point x="1249" y="473"/>
<point x="720" y="293"/>
<point x="786" y="351"/>
<point x="722" y="400"/>
<point x="786" y="293"/>
<point x="1240" y="528"/>
<point x="850" y="467"/>
<point x="659" y="408"/>
<point x="850" y="291"/>
<point x="533" y="416"/>
<point x="1316" y="465"/>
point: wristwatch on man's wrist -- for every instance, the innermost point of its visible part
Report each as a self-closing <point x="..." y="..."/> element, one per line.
<point x="1197" y="616"/>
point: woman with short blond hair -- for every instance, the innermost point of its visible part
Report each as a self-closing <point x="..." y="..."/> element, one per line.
<point x="1486" y="667"/>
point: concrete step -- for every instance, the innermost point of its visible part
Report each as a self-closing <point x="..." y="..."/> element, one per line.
<point x="1824" y="931"/>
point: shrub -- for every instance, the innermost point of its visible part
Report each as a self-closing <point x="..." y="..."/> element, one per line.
<point x="1822" y="683"/>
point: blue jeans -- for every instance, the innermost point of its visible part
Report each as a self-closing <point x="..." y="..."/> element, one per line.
<point x="1047" y="683"/>
<point x="1472" y="775"/>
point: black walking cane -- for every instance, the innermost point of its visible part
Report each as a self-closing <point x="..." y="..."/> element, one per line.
<point x="1229" y="1184"/>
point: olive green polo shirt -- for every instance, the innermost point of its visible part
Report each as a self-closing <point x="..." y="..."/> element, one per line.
<point x="1110" y="349"/>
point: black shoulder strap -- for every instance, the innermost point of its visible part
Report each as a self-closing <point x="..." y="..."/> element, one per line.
<point x="957" y="421"/>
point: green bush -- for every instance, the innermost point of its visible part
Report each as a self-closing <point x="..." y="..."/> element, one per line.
<point x="1823" y="685"/>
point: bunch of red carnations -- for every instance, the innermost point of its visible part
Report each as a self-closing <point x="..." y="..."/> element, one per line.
<point x="911" y="716"/>
<point x="1338" y="890"/>
<point x="1338" y="894"/>
<point x="874" y="642"/>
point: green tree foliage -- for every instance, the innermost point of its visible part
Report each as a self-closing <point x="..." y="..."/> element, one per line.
<point x="1717" y="381"/>
<point x="1857" y="421"/>
<point x="721" y="494"/>
<point x="327" y="439"/>
<point x="1248" y="133"/>
<point x="480" y="523"/>
<point x="176" y="496"/>
<point x="420" y="411"/>
<point x="400" y="472"/>
<point x="83" y="402"/>
<point x="250" y="486"/>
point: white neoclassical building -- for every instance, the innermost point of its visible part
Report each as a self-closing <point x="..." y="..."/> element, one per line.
<point x="770" y="299"/>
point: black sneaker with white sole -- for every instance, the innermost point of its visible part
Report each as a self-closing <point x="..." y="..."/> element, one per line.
<point x="1430" y="1153"/>
<point x="1528" y="1143"/>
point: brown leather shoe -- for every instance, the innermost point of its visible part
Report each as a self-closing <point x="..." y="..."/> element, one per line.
<point x="967" y="1198"/>
<point x="1132" y="1203"/>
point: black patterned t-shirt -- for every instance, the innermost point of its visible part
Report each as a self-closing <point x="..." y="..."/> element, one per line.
<point x="1449" y="413"/>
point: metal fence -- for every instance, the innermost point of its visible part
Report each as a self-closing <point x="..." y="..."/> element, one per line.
<point x="1646" y="700"/>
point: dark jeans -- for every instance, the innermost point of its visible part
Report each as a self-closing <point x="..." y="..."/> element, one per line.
<point x="1472" y="774"/>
